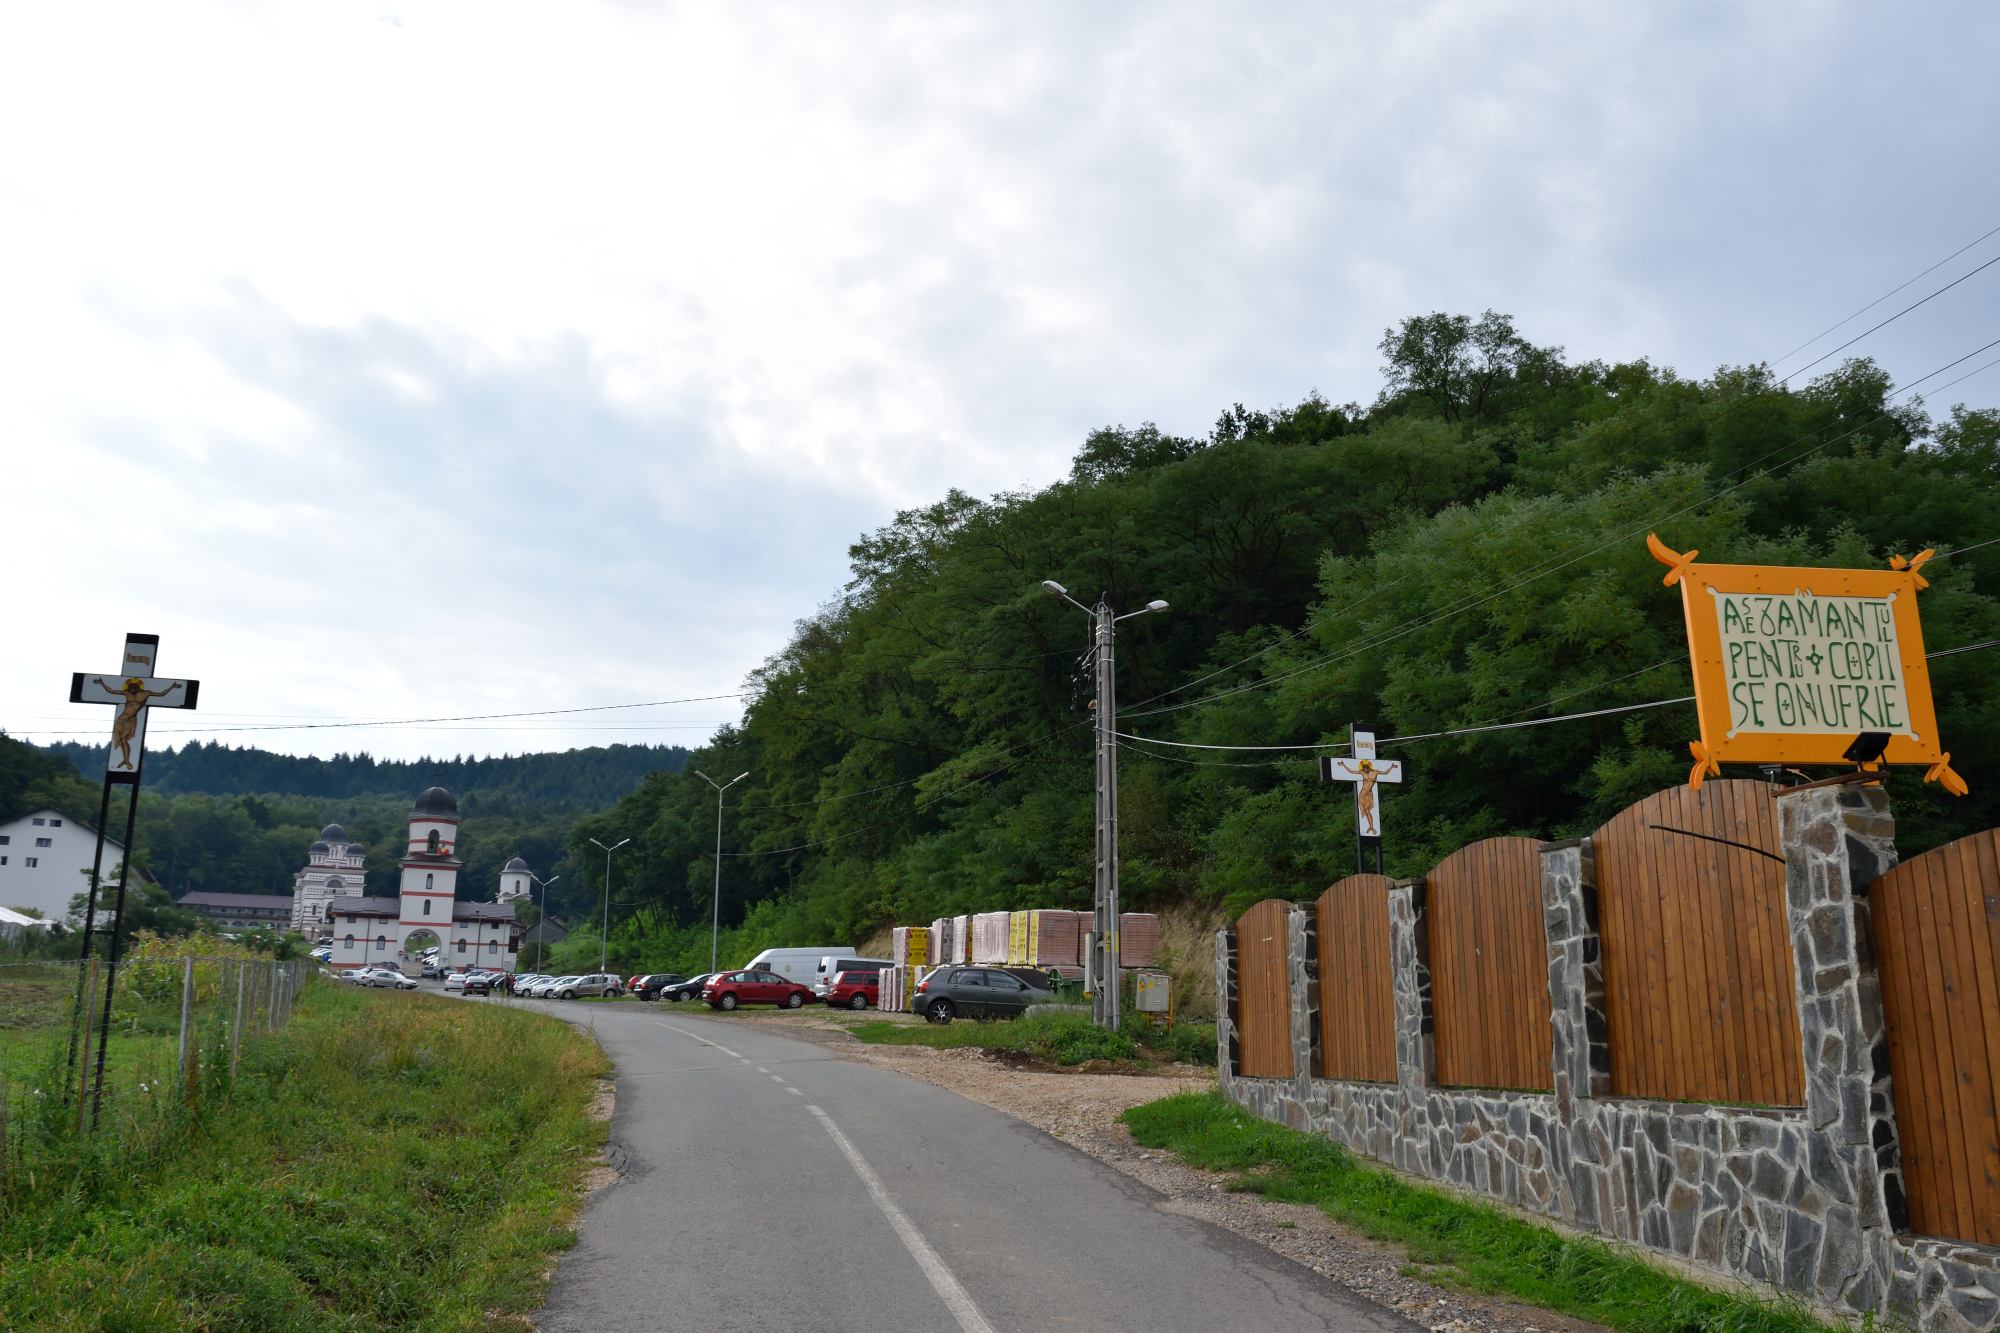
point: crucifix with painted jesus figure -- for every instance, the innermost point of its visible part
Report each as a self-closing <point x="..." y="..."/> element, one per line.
<point x="1367" y="773"/>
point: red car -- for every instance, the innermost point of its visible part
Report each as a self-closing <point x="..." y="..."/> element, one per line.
<point x="731" y="989"/>
<point x="855" y="990"/>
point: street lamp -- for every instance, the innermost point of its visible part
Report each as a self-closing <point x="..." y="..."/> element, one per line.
<point x="1103" y="961"/>
<point x="604" y="935"/>
<point x="543" y="914"/>
<point x="715" y="919"/>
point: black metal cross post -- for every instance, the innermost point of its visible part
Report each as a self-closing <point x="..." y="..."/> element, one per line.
<point x="134" y="690"/>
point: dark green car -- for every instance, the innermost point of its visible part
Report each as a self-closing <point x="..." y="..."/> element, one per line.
<point x="980" y="992"/>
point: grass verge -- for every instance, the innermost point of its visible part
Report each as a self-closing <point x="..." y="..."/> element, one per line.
<point x="1483" y="1248"/>
<point x="1063" y="1039"/>
<point x="387" y="1162"/>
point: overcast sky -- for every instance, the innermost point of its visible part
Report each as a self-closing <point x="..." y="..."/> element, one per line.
<point x="411" y="360"/>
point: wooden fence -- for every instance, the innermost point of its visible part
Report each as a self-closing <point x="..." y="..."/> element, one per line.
<point x="1490" y="966"/>
<point x="1264" y="991"/>
<point x="1357" y="997"/>
<point x="1697" y="959"/>
<point x="1937" y="932"/>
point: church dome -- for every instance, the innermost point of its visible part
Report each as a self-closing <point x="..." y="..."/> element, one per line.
<point x="436" y="801"/>
<point x="318" y="849"/>
<point x="516" y="864"/>
<point x="333" y="833"/>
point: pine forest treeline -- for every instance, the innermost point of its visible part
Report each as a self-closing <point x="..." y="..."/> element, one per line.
<point x="1468" y="549"/>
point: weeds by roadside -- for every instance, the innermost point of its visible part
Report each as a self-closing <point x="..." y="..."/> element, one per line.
<point x="384" y="1163"/>
<point x="1062" y="1039"/>
<point x="1480" y="1247"/>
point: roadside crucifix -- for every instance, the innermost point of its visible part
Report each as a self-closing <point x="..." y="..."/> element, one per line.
<point x="134" y="690"/>
<point x="1367" y="773"/>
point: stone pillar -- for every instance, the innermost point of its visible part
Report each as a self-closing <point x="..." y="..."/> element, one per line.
<point x="1302" y="952"/>
<point x="1410" y="975"/>
<point x="1836" y="841"/>
<point x="1581" y="1056"/>
<point x="1228" y="1056"/>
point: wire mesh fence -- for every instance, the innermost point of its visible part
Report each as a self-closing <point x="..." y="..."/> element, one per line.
<point x="120" y="1055"/>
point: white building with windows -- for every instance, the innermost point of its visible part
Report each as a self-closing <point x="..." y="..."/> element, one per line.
<point x="334" y="869"/>
<point x="395" y="931"/>
<point x="45" y="861"/>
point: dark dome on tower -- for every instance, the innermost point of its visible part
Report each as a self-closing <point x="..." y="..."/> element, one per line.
<point x="436" y="801"/>
<point x="333" y="833"/>
<point x="516" y="864"/>
<point x="317" y="849"/>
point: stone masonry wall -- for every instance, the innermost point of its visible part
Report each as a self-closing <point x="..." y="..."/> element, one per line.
<point x="1808" y="1199"/>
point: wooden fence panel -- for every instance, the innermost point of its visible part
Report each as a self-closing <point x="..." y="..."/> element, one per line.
<point x="1697" y="960"/>
<point x="1937" y="933"/>
<point x="1264" y="992"/>
<point x="1357" y="999"/>
<point x="1490" y="966"/>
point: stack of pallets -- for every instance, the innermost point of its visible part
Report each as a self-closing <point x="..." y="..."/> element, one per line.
<point x="989" y="937"/>
<point x="941" y="941"/>
<point x="1055" y="938"/>
<point x="1138" y="939"/>
<point x="909" y="946"/>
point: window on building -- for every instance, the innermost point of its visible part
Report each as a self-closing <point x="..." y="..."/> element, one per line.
<point x="431" y="846"/>
<point x="461" y="945"/>
<point x="350" y="921"/>
<point x="55" y="823"/>
<point x="350" y="943"/>
<point x="427" y="907"/>
<point x="381" y="941"/>
<point x="5" y="839"/>
<point x="31" y="861"/>
<point x="40" y="822"/>
<point x="3" y="860"/>
<point x="45" y="842"/>
<point x="430" y="881"/>
<point x="493" y="946"/>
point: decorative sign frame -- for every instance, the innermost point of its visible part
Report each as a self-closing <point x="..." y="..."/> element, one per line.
<point x="1792" y="665"/>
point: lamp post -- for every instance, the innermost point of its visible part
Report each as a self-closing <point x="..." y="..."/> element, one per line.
<point x="715" y="917"/>
<point x="1103" y="961"/>
<point x="543" y="913"/>
<point x="604" y="935"/>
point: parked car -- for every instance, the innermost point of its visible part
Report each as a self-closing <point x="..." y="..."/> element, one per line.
<point x="834" y="964"/>
<point x="525" y="983"/>
<point x="855" y="990"/>
<point x="482" y="983"/>
<point x="800" y="965"/>
<point x="454" y="982"/>
<point x="976" y="992"/>
<point x="728" y="990"/>
<point x="649" y="986"/>
<point x="546" y="986"/>
<point x="687" y="990"/>
<point x="385" y="978"/>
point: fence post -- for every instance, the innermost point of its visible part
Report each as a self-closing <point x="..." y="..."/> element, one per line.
<point x="1416" y="1032"/>
<point x="187" y="1006"/>
<point x="1302" y="959"/>
<point x="236" y="1028"/>
<point x="1837" y="841"/>
<point x="1580" y="1054"/>
<point x="1228" y="1054"/>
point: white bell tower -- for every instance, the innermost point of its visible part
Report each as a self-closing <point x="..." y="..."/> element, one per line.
<point x="516" y="883"/>
<point x="430" y="864"/>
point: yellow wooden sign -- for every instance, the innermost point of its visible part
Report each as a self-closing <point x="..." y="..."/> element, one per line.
<point x="1792" y="665"/>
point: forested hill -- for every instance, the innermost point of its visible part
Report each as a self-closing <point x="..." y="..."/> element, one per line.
<point x="1468" y="550"/>
<point x="587" y="779"/>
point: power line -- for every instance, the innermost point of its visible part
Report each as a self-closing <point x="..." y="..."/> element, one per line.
<point x="1883" y="297"/>
<point x="1892" y="319"/>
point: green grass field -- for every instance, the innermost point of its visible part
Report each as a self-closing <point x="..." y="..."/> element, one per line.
<point x="388" y="1161"/>
<point x="1466" y="1244"/>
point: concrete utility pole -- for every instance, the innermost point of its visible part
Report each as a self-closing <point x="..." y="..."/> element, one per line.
<point x="604" y="935"/>
<point x="715" y="918"/>
<point x="1102" y="965"/>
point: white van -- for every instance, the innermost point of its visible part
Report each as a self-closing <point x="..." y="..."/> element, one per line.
<point x="834" y="964"/>
<point x="800" y="965"/>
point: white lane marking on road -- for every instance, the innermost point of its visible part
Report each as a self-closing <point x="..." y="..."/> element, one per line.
<point x="698" y="1037"/>
<point x="776" y="1079"/>
<point x="795" y="1092"/>
<point x="942" y="1281"/>
<point x="762" y="1070"/>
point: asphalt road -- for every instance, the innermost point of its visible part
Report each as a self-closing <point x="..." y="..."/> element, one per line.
<point x="770" y="1185"/>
